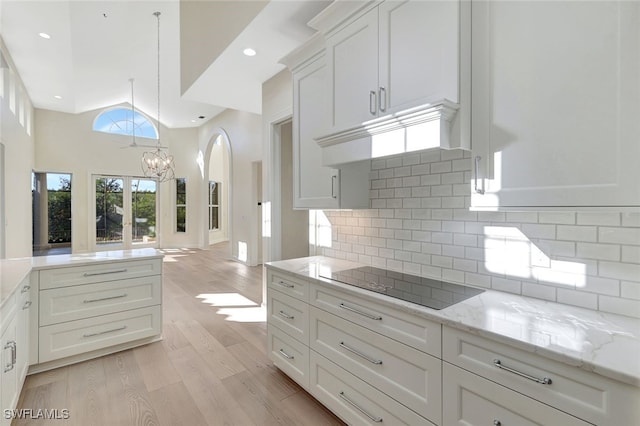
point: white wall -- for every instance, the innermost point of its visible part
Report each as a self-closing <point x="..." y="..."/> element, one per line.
<point x="243" y="131"/>
<point x="18" y="141"/>
<point x="67" y="143"/>
<point x="420" y="223"/>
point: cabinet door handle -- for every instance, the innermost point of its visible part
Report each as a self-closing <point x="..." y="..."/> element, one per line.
<point x="475" y="185"/>
<point x="285" y="284"/>
<point x="26" y="305"/>
<point x="286" y="355"/>
<point x="373" y="418"/>
<point x="93" y="274"/>
<point x="372" y="102"/>
<point x="544" y="380"/>
<point x="333" y="186"/>
<point x="10" y="345"/>
<point x="105" y="332"/>
<point x="105" y="298"/>
<point x="364" y="314"/>
<point x="25" y="289"/>
<point x="286" y="315"/>
<point x="360" y="354"/>
<point x="382" y="99"/>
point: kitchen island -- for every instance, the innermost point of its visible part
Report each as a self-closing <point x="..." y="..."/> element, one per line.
<point x="542" y="360"/>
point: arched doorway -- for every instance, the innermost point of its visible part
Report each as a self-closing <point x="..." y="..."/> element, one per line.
<point x="215" y="162"/>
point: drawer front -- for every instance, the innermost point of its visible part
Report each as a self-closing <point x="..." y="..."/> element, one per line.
<point x="471" y="400"/>
<point x="289" y="314"/>
<point x="290" y="285"/>
<point x="289" y="355"/>
<point x="73" y="303"/>
<point x="411" y="330"/>
<point x="399" y="371"/>
<point x="586" y="395"/>
<point x="353" y="400"/>
<point x="76" y="337"/>
<point x="98" y="272"/>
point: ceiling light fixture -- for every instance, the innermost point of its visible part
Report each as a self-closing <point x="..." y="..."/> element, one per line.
<point x="249" y="52"/>
<point x="57" y="96"/>
<point x="158" y="164"/>
<point x="44" y="35"/>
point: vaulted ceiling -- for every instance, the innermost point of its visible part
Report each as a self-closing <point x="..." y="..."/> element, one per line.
<point x="96" y="46"/>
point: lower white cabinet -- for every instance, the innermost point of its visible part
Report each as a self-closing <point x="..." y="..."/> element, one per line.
<point x="289" y="355"/>
<point x="472" y="400"/>
<point x="94" y="309"/>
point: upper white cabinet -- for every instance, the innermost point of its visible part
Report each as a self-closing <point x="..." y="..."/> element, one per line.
<point x="555" y="103"/>
<point x="393" y="70"/>
<point x="316" y="186"/>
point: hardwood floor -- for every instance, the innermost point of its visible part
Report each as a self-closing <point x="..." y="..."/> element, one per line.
<point x="211" y="367"/>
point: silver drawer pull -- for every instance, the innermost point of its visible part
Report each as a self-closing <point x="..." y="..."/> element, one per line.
<point x="497" y="423"/>
<point x="286" y="315"/>
<point x="362" y="410"/>
<point x="364" y="314"/>
<point x="286" y="355"/>
<point x="105" y="332"/>
<point x="10" y="345"/>
<point x="361" y="355"/>
<point x="544" y="380"/>
<point x="93" y="274"/>
<point x="26" y="305"/>
<point x="25" y="289"/>
<point x="285" y="284"/>
<point x="120" y="296"/>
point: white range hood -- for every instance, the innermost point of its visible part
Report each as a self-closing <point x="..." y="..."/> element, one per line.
<point x="424" y="127"/>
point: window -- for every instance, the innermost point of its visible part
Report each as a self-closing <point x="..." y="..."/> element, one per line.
<point x="123" y="121"/>
<point x="51" y="201"/>
<point x="181" y="205"/>
<point x="214" y="205"/>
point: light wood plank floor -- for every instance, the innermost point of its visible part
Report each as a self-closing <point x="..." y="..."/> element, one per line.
<point x="210" y="369"/>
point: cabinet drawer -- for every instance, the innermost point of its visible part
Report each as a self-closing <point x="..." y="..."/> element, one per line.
<point x="353" y="400"/>
<point x="292" y="286"/>
<point x="289" y="314"/>
<point x="411" y="330"/>
<point x="72" y="303"/>
<point x="76" y="337"/>
<point x="589" y="396"/>
<point x="398" y="370"/>
<point x="289" y="355"/>
<point x="471" y="400"/>
<point x="99" y="272"/>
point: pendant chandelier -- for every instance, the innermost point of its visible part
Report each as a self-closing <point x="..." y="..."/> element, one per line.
<point x="158" y="164"/>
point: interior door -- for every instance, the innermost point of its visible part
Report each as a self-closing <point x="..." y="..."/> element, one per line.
<point x="126" y="212"/>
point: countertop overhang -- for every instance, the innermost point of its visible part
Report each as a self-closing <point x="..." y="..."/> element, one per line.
<point x="603" y="343"/>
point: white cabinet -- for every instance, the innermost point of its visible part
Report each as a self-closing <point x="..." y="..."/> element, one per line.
<point x="513" y="385"/>
<point x="91" y="310"/>
<point x="316" y="186"/>
<point x="14" y="346"/>
<point x="555" y="103"/>
<point x="392" y="57"/>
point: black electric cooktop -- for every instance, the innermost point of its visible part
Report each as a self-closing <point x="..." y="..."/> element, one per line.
<point x="427" y="292"/>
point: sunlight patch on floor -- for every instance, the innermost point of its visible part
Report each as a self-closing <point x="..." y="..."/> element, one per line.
<point x="226" y="299"/>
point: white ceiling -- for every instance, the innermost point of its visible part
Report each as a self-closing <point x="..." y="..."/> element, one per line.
<point x="97" y="46"/>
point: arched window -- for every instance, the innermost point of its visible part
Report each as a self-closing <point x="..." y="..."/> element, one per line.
<point x="123" y="121"/>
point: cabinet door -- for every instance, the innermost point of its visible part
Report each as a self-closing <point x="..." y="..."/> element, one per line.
<point x="8" y="368"/>
<point x="314" y="186"/>
<point x="23" y="343"/>
<point x="418" y="62"/>
<point x="352" y="59"/>
<point x="555" y="103"/>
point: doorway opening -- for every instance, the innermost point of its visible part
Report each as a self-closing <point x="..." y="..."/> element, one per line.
<point x="51" y="204"/>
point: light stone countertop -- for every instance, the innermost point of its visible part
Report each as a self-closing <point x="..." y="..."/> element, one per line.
<point x="13" y="271"/>
<point x="606" y="344"/>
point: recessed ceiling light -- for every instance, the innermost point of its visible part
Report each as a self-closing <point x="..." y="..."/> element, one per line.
<point x="58" y="97"/>
<point x="44" y="35"/>
<point x="201" y="117"/>
<point x="194" y="121"/>
<point x="249" y="52"/>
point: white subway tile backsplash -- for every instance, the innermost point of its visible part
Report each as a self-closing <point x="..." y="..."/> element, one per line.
<point x="420" y="223"/>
